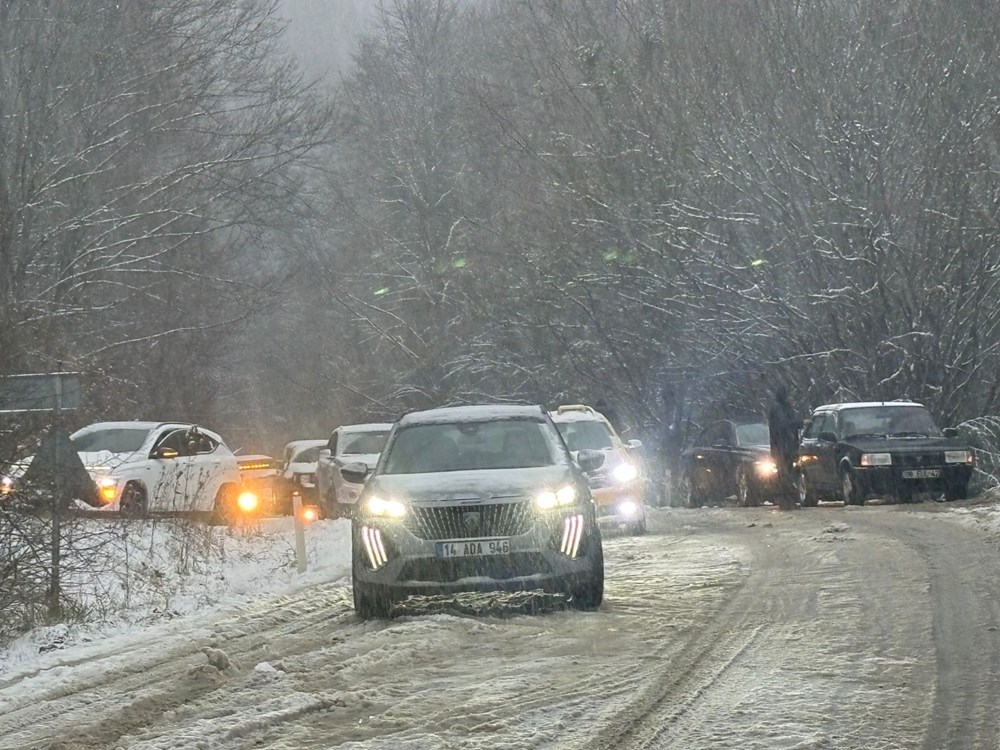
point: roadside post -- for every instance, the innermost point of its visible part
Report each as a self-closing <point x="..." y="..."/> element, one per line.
<point x="300" y="533"/>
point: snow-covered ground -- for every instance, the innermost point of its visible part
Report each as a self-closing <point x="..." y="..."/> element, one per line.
<point x="166" y="571"/>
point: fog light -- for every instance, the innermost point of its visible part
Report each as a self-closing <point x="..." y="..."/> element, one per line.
<point x="628" y="508"/>
<point x="310" y="513"/>
<point x="247" y="502"/>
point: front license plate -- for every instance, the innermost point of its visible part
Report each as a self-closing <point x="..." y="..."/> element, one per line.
<point x="921" y="473"/>
<point x="473" y="548"/>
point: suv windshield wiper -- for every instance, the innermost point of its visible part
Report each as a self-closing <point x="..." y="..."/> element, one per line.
<point x="865" y="434"/>
<point x="909" y="434"/>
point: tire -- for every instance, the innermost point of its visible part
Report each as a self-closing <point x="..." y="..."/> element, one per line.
<point x="371" y="601"/>
<point x="588" y="593"/>
<point x="639" y="528"/>
<point x="224" y="510"/>
<point x="956" y="491"/>
<point x="807" y="495"/>
<point x="746" y="495"/>
<point x="133" y="502"/>
<point x="689" y="495"/>
<point x="850" y="490"/>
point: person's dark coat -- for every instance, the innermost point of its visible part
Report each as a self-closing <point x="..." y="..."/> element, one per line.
<point x="783" y="425"/>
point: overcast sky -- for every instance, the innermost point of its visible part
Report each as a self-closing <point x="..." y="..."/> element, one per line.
<point x="322" y="33"/>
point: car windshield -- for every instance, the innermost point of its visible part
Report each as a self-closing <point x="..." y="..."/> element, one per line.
<point x="307" y="456"/>
<point x="361" y="443"/>
<point x="112" y="440"/>
<point x="753" y="434"/>
<point x="585" y="435"/>
<point x="889" y="421"/>
<point x="465" y="446"/>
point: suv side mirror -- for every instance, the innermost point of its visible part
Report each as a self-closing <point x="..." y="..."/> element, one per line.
<point x="589" y="460"/>
<point x="950" y="432"/>
<point x="164" y="452"/>
<point x="324" y="452"/>
<point x="634" y="444"/>
<point x="828" y="437"/>
<point x="354" y="472"/>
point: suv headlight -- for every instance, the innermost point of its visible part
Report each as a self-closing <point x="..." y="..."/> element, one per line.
<point x="624" y="472"/>
<point x="383" y="508"/>
<point x="876" y="459"/>
<point x="548" y="500"/>
<point x="959" y="457"/>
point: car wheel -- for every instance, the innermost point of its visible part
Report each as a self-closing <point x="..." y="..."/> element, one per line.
<point x="690" y="496"/>
<point x="589" y="593"/>
<point x="371" y="602"/>
<point x="224" y="509"/>
<point x="850" y="490"/>
<point x="745" y="492"/>
<point x="133" y="502"/>
<point x="807" y="495"/>
<point x="956" y="491"/>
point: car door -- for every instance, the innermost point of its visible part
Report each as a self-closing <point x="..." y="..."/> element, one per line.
<point x="170" y="468"/>
<point x="820" y="464"/>
<point x="209" y="460"/>
<point x="706" y="462"/>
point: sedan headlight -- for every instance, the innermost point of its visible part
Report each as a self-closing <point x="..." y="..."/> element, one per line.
<point x="876" y="459"/>
<point x="564" y="496"/>
<point x="378" y="506"/>
<point x="959" y="457"/>
<point x="766" y="467"/>
<point x="624" y="472"/>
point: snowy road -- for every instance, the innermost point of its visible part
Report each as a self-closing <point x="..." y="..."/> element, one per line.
<point x="871" y="628"/>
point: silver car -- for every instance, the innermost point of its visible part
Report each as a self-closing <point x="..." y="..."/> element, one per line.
<point x="475" y="498"/>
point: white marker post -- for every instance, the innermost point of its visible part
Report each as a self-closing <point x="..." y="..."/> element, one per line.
<point x="300" y="532"/>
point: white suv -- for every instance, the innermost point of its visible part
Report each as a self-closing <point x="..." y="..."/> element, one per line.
<point x="142" y="467"/>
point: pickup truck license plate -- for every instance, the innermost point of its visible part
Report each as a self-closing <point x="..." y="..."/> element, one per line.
<point x="921" y="473"/>
<point x="473" y="548"/>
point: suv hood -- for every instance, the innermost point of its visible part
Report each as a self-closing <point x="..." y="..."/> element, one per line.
<point x="472" y="486"/>
<point x="106" y="460"/>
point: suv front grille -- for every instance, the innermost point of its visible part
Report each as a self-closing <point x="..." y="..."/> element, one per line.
<point x="469" y="521"/>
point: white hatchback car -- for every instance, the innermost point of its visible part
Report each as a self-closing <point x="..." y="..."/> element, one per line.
<point x="159" y="467"/>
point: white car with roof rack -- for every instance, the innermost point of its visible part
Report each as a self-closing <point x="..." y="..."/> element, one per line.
<point x="618" y="487"/>
<point x="351" y="443"/>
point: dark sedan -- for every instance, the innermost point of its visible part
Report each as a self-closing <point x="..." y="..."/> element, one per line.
<point x="854" y="451"/>
<point x="729" y="458"/>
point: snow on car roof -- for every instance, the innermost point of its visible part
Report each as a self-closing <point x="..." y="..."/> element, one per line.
<point x="368" y="427"/>
<point x="578" y="416"/>
<point x="136" y="425"/>
<point x="304" y="443"/>
<point x="477" y="413"/>
<point x="867" y="404"/>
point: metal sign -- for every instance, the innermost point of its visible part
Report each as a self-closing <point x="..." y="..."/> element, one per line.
<point x="54" y="391"/>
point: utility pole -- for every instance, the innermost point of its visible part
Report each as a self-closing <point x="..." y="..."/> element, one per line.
<point x="55" y="606"/>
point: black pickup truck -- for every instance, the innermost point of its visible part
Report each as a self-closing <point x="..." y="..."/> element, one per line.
<point x="854" y="451"/>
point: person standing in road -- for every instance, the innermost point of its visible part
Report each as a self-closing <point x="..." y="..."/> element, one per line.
<point x="784" y="425"/>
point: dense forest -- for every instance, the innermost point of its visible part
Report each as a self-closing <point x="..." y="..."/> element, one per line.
<point x="667" y="204"/>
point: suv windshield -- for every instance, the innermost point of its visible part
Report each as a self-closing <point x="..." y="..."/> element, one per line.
<point x="112" y="440"/>
<point x="753" y="434"/>
<point x="889" y="421"/>
<point x="582" y="436"/>
<point x="464" y="446"/>
<point x="307" y="455"/>
<point x="361" y="443"/>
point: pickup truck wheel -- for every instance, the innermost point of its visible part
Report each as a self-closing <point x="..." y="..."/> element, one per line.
<point x="850" y="489"/>
<point x="690" y="495"/>
<point x="746" y="493"/>
<point x="956" y="491"/>
<point x="133" y="501"/>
